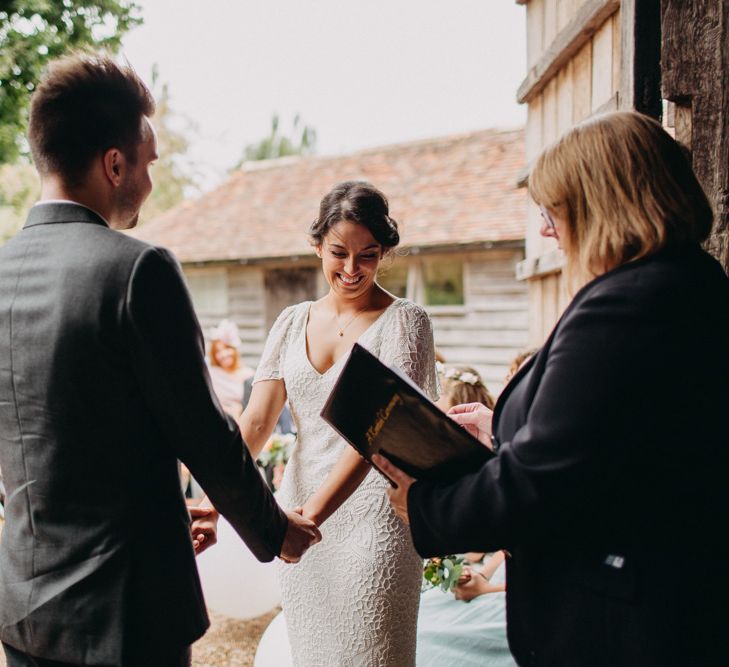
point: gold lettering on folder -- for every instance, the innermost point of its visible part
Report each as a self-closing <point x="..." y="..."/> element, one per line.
<point x="381" y="417"/>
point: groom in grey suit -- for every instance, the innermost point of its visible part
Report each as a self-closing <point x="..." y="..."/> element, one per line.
<point x="103" y="388"/>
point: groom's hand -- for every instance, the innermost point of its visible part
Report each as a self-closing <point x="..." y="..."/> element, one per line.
<point x="300" y="535"/>
<point x="204" y="528"/>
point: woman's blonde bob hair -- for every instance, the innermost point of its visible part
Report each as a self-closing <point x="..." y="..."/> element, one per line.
<point x="624" y="188"/>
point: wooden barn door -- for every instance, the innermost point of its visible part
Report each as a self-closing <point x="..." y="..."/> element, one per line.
<point x="285" y="287"/>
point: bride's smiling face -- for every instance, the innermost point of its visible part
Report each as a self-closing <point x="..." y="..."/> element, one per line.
<point x="350" y="258"/>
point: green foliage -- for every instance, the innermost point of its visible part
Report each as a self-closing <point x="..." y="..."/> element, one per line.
<point x="32" y="32"/>
<point x="19" y="189"/>
<point x="443" y="572"/>
<point x="302" y="141"/>
<point x="171" y="174"/>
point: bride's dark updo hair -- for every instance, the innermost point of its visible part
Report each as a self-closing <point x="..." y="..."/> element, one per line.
<point x="359" y="202"/>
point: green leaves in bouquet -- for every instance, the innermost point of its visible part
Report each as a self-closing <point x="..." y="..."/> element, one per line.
<point x="443" y="572"/>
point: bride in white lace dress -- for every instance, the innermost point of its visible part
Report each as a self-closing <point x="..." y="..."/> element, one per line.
<point x="353" y="599"/>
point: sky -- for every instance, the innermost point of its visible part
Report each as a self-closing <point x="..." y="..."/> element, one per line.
<point x="363" y="73"/>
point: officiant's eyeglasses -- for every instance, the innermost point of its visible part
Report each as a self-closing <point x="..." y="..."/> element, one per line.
<point x="548" y="219"/>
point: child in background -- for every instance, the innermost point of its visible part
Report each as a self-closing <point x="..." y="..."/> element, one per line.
<point x="461" y="384"/>
<point x="226" y="370"/>
<point x="450" y="631"/>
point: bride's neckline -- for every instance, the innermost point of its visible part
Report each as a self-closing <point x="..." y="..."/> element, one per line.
<point x="375" y="322"/>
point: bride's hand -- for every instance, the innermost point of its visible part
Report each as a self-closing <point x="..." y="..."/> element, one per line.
<point x="306" y="514"/>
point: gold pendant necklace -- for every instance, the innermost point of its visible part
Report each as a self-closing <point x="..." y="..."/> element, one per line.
<point x="352" y="319"/>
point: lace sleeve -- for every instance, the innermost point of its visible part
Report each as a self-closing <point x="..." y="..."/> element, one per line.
<point x="270" y="367"/>
<point x="411" y="348"/>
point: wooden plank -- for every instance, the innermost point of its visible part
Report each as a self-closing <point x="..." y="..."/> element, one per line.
<point x="241" y="276"/>
<point x="550" y="299"/>
<point x="565" y="95"/>
<point x="479" y="355"/>
<point x="617" y="52"/>
<point x="612" y="104"/>
<point x="549" y="25"/>
<point x="588" y="19"/>
<point x="533" y="137"/>
<point x="486" y="282"/>
<point x="548" y="262"/>
<point x="549" y="113"/>
<point x="477" y="321"/>
<point x="487" y="338"/>
<point x="501" y="270"/>
<point x="536" y="336"/>
<point x="497" y="304"/>
<point x="640" y="56"/>
<point x="602" y="65"/>
<point x="564" y="296"/>
<point x="582" y="83"/>
<point x="565" y="12"/>
<point x="535" y="31"/>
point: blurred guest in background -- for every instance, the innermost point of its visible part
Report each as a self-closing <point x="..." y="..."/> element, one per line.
<point x="226" y="370"/>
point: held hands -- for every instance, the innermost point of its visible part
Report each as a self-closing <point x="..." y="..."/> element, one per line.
<point x="399" y="495"/>
<point x="475" y="418"/>
<point x="472" y="583"/>
<point x="204" y="528"/>
<point x="300" y="535"/>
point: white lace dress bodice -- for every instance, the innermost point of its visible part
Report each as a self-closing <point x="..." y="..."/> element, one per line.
<point x="353" y="599"/>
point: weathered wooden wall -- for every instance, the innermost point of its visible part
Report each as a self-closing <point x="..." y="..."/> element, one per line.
<point x="574" y="70"/>
<point x="695" y="77"/>
<point x="492" y="326"/>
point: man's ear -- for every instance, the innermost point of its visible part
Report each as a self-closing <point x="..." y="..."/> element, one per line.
<point x="114" y="164"/>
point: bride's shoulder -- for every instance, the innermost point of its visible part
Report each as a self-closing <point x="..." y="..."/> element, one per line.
<point x="406" y="315"/>
<point x="290" y="317"/>
<point x="409" y="309"/>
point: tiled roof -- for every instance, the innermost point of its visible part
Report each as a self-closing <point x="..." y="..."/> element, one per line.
<point x="452" y="190"/>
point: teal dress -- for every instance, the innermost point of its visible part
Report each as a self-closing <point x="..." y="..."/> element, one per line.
<point x="459" y="634"/>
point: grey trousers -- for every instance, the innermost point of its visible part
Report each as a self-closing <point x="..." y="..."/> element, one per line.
<point x="175" y="658"/>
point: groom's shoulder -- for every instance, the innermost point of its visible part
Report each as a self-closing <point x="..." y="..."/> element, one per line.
<point x="121" y="257"/>
<point x="120" y="246"/>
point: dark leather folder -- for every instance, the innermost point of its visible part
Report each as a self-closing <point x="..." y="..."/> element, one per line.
<point x="377" y="409"/>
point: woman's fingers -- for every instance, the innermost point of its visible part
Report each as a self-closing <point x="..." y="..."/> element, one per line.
<point x="465" y="408"/>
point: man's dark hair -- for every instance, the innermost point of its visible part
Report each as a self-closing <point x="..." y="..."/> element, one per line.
<point x="84" y="105"/>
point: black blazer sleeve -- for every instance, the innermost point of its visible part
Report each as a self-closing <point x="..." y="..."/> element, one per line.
<point x="168" y="358"/>
<point x="574" y="440"/>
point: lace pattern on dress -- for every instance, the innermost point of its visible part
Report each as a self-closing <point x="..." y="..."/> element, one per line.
<point x="353" y="599"/>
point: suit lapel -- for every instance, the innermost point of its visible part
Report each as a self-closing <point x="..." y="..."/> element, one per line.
<point x="527" y="366"/>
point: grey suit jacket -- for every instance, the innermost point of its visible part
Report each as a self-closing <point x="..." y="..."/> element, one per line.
<point x="103" y="387"/>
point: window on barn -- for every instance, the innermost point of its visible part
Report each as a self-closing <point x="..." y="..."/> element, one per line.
<point x="394" y="278"/>
<point x="443" y="282"/>
<point x="209" y="291"/>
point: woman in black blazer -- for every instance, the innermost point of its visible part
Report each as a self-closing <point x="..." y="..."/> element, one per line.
<point x="609" y="488"/>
